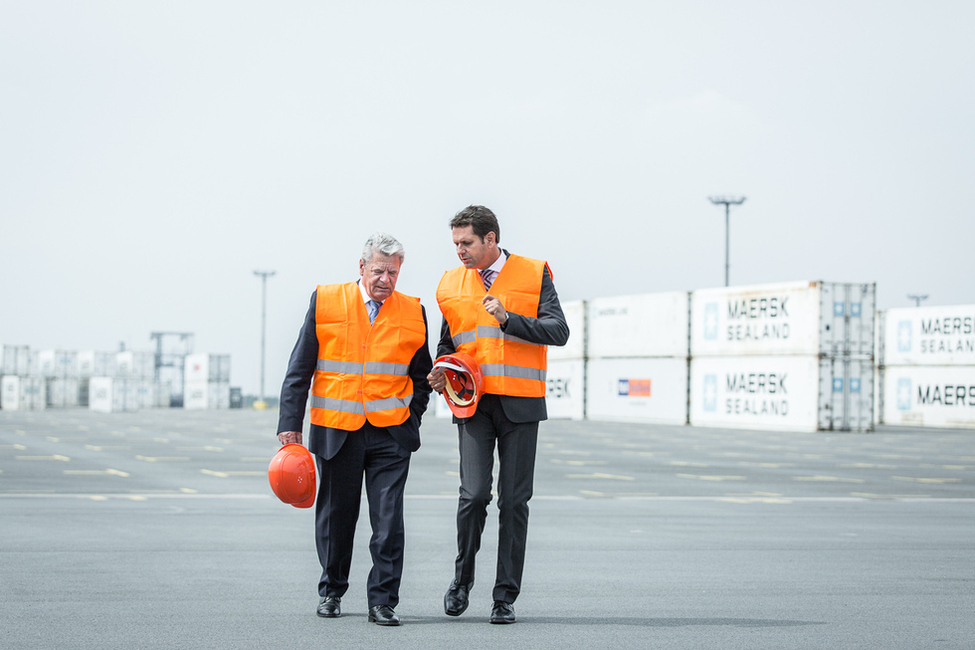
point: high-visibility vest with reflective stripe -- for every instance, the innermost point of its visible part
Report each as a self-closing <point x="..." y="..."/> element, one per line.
<point x="363" y="370"/>
<point x="510" y="365"/>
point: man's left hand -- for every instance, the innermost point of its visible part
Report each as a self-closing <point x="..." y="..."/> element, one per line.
<point x="495" y="308"/>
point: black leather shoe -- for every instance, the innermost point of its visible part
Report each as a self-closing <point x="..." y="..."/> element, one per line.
<point x="502" y="612"/>
<point x="383" y="615"/>
<point x="330" y="607"/>
<point x="455" y="600"/>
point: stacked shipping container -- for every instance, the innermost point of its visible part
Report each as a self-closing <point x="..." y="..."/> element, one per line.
<point x="792" y="356"/>
<point x="927" y="366"/>
<point x="637" y="358"/>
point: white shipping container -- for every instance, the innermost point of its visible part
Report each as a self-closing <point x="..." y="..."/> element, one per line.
<point x="135" y="364"/>
<point x="647" y="389"/>
<point x="200" y="395"/>
<point x="929" y="396"/>
<point x="649" y="325"/>
<point x="57" y="363"/>
<point x="786" y="393"/>
<point x="928" y="336"/>
<point x="565" y="397"/>
<point x="62" y="392"/>
<point x="207" y="367"/>
<point x="95" y="364"/>
<point x="16" y="360"/>
<point x="795" y="318"/>
<point x="575" y="347"/>
<point x="846" y="394"/>
<point x="22" y="393"/>
<point x="108" y="395"/>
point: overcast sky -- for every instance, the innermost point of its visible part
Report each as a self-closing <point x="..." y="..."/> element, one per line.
<point x="154" y="154"/>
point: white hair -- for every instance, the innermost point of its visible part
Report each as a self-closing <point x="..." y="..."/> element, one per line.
<point x="387" y="245"/>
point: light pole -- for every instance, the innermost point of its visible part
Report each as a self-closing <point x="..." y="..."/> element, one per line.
<point x="917" y="299"/>
<point x="264" y="275"/>
<point x="727" y="202"/>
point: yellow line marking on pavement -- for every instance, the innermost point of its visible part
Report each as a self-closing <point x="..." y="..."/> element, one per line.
<point x="870" y="495"/>
<point x="614" y="477"/>
<point x="577" y="463"/>
<point x="206" y="448"/>
<point x="865" y="466"/>
<point x="55" y="457"/>
<point x="105" y="447"/>
<point x="52" y="439"/>
<point x="700" y="477"/>
<point x="96" y="472"/>
<point x="753" y="500"/>
<point x="926" y="480"/>
<point x="754" y="494"/>
<point x="684" y="463"/>
<point x="14" y="446"/>
<point x="98" y="497"/>
<point x="747" y="463"/>
<point x="210" y="472"/>
<point x="162" y="459"/>
<point x="930" y="466"/>
<point x="828" y="479"/>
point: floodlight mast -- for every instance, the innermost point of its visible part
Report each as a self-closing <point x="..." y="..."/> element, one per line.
<point x="727" y="201"/>
<point x="264" y="275"/>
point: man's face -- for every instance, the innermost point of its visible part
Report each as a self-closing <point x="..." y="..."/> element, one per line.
<point x="474" y="252"/>
<point x="379" y="276"/>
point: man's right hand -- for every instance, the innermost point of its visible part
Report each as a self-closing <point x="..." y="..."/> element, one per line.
<point x="290" y="437"/>
<point x="437" y="380"/>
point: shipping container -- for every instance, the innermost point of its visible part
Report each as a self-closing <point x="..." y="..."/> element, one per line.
<point x="648" y="325"/>
<point x="57" y="363"/>
<point x="201" y="395"/>
<point x="207" y="368"/>
<point x="566" y="393"/>
<point x="648" y="389"/>
<point x="96" y="364"/>
<point x="795" y="318"/>
<point x="16" y="360"/>
<point x="135" y="364"/>
<point x="928" y="336"/>
<point x="110" y="395"/>
<point x="782" y="392"/>
<point x="929" y="396"/>
<point x="62" y="392"/>
<point x="22" y="393"/>
<point x="575" y="347"/>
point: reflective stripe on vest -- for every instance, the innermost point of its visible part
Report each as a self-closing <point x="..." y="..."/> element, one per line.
<point x="362" y="371"/>
<point x="510" y="365"/>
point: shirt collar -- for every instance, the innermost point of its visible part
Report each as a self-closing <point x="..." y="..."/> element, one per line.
<point x="498" y="263"/>
<point x="365" y="296"/>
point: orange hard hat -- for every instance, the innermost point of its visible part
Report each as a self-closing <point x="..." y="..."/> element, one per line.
<point x="464" y="382"/>
<point x="292" y="475"/>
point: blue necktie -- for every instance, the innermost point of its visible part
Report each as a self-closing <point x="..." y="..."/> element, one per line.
<point x="373" y="308"/>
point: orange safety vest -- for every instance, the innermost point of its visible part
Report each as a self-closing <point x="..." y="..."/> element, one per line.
<point x="510" y="365"/>
<point x="363" y="369"/>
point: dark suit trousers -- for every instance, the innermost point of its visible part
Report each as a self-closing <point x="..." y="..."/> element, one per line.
<point x="369" y="452"/>
<point x="516" y="442"/>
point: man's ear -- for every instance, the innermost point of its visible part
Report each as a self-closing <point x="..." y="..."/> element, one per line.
<point x="490" y="238"/>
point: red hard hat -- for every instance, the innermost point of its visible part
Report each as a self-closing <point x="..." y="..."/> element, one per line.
<point x="464" y="382"/>
<point x="292" y="476"/>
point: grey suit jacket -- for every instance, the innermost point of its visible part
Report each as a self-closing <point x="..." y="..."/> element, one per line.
<point x="547" y="327"/>
<point x="326" y="441"/>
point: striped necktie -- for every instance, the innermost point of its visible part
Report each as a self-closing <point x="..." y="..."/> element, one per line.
<point x="487" y="277"/>
<point x="373" y="308"/>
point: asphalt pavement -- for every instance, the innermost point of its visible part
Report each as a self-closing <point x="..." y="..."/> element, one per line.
<point x="158" y="529"/>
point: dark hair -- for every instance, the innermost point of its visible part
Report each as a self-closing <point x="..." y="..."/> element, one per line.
<point x="481" y="220"/>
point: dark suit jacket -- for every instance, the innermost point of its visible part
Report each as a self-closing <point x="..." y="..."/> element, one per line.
<point x="547" y="328"/>
<point x="326" y="441"/>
